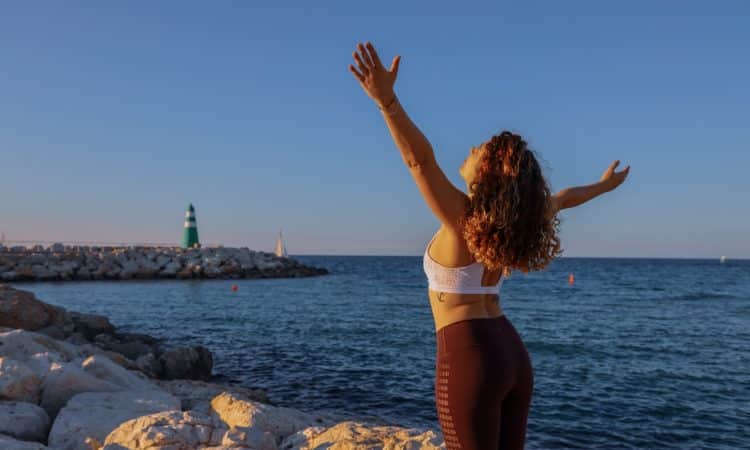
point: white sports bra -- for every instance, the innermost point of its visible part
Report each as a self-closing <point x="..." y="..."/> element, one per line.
<point x="458" y="280"/>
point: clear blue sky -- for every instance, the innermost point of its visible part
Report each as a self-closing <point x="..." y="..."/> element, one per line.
<point x="114" y="117"/>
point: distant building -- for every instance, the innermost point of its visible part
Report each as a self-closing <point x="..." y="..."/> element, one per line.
<point x="190" y="233"/>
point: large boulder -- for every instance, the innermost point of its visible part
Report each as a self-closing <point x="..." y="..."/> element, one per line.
<point x="24" y="421"/>
<point x="95" y="373"/>
<point x="149" y="364"/>
<point x="193" y="363"/>
<point x="168" y="430"/>
<point x="95" y="414"/>
<point x="53" y="331"/>
<point x="239" y="412"/>
<point x="21" y="345"/>
<point x="18" y="381"/>
<point x="114" y="356"/>
<point x="21" y="309"/>
<point x="130" y="345"/>
<point x="355" y="435"/>
<point x="198" y="394"/>
<point x="65" y="381"/>
<point x="42" y="363"/>
<point x="9" y="443"/>
<point x="104" y="369"/>
<point x="89" y="325"/>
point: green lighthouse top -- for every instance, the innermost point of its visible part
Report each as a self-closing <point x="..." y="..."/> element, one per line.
<point x="190" y="231"/>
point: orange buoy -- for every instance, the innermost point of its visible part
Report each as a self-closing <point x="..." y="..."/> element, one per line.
<point x="234" y="288"/>
<point x="571" y="279"/>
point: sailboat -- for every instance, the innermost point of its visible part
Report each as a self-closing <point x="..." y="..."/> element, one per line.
<point x="723" y="259"/>
<point x="280" y="247"/>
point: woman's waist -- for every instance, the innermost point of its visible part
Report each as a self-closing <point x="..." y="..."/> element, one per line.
<point x="456" y="299"/>
<point x="463" y="288"/>
<point x="451" y="308"/>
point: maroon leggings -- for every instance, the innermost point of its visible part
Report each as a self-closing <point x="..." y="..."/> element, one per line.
<point x="483" y="385"/>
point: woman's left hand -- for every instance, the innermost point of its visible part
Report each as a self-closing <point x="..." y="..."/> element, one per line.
<point x="375" y="79"/>
<point x="612" y="179"/>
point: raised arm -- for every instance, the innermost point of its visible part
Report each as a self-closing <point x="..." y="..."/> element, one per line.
<point x="443" y="198"/>
<point x="574" y="196"/>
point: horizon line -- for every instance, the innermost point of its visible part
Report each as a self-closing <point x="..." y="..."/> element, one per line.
<point x="559" y="257"/>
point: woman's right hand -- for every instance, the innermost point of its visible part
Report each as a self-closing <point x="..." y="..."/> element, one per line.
<point x="375" y="79"/>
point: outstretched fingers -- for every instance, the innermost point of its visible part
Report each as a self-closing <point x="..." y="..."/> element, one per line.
<point x="366" y="56"/>
<point x="617" y="163"/>
<point x="394" y="65"/>
<point x="358" y="75"/>
<point x="373" y="54"/>
<point x="362" y="66"/>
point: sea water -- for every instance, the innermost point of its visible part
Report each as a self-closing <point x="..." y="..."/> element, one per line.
<point x="636" y="353"/>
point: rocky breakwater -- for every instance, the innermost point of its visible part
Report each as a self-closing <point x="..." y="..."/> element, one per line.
<point x="66" y="384"/>
<point x="61" y="263"/>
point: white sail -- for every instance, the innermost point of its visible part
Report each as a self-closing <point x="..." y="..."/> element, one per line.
<point x="280" y="247"/>
<point x="723" y="259"/>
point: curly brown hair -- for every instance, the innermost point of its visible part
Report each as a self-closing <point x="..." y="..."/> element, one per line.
<point x="508" y="222"/>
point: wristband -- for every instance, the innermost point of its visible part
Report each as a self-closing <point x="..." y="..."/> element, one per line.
<point x="389" y="108"/>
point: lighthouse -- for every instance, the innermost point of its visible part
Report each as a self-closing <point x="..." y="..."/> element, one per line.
<point x="190" y="234"/>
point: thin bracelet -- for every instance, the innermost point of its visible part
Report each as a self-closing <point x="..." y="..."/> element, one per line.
<point x="386" y="109"/>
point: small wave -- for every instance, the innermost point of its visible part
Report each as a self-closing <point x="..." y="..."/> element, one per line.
<point x="702" y="295"/>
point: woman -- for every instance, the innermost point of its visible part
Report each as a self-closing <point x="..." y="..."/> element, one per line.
<point x="506" y="220"/>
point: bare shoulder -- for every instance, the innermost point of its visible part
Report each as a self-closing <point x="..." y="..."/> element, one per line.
<point x="445" y="200"/>
<point x="555" y="203"/>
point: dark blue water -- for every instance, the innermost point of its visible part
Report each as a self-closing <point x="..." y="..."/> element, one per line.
<point x="639" y="353"/>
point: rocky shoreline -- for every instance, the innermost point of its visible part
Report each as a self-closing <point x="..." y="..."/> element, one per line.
<point x="70" y="381"/>
<point x="58" y="262"/>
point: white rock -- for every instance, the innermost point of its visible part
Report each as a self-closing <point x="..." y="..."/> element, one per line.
<point x="42" y="363"/>
<point x="24" y="421"/>
<point x="64" y="382"/>
<point x="168" y="430"/>
<point x="253" y="438"/>
<point x="355" y="435"/>
<point x="238" y="411"/>
<point x="96" y="414"/>
<point x="18" y="382"/>
<point x="20" y="344"/>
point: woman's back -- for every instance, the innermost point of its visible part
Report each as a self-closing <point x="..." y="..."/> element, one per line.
<point x="447" y="250"/>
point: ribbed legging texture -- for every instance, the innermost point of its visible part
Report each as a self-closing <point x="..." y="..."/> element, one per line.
<point x="483" y="385"/>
